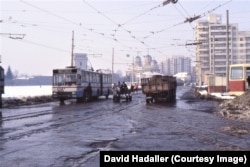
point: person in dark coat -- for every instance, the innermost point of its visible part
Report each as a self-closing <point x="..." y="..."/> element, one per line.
<point x="248" y="81"/>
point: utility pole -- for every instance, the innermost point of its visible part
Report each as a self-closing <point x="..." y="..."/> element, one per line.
<point x="113" y="65"/>
<point x="133" y="68"/>
<point x="72" y="49"/>
<point x="227" y="56"/>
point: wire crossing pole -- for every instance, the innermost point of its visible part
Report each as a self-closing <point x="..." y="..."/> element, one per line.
<point x="113" y="52"/>
<point x="227" y="60"/>
<point x="72" y="49"/>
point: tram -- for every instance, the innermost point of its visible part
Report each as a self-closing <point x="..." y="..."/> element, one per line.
<point x="239" y="79"/>
<point x="83" y="85"/>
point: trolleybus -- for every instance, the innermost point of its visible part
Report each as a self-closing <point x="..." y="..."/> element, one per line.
<point x="83" y="85"/>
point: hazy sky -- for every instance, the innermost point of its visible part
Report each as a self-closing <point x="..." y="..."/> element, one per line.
<point x="131" y="27"/>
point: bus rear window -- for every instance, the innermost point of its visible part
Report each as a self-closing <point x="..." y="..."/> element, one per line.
<point x="236" y="73"/>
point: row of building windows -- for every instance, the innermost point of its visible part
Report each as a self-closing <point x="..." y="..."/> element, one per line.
<point x="245" y="45"/>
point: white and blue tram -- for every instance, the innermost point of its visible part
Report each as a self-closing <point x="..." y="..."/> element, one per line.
<point x="75" y="83"/>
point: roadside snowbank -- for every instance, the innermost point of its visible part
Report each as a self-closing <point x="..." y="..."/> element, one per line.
<point x="15" y="101"/>
<point x="27" y="91"/>
<point x="237" y="108"/>
<point x="26" y="95"/>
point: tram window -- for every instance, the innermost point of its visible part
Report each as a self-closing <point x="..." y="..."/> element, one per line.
<point x="70" y="79"/>
<point x="78" y="81"/>
<point x="90" y="77"/>
<point x="105" y="78"/>
<point x="98" y="78"/>
<point x="110" y="79"/>
<point x="83" y="76"/>
<point x="236" y="72"/>
<point x="58" y="79"/>
<point x="87" y="77"/>
<point x="95" y="76"/>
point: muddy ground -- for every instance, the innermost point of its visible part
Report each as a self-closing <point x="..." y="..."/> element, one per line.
<point x="238" y="108"/>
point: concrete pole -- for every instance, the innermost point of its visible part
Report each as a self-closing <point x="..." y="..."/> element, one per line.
<point x="113" y="64"/>
<point x="133" y="74"/>
<point x="227" y="54"/>
<point x="72" y="49"/>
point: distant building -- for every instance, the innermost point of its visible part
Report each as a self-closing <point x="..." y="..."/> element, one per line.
<point x="176" y="64"/>
<point x="137" y="68"/>
<point x="81" y="60"/>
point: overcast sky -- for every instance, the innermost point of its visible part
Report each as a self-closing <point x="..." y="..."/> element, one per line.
<point x="131" y="27"/>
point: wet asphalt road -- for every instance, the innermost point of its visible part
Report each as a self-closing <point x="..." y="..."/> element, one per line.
<point x="73" y="134"/>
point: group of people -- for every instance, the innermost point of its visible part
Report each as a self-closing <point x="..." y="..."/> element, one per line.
<point x="124" y="88"/>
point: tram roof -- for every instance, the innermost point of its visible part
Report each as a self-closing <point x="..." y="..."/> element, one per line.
<point x="240" y="65"/>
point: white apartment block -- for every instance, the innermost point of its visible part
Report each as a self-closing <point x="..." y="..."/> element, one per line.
<point x="211" y="55"/>
<point x="243" y="47"/>
<point x="138" y="67"/>
<point x="176" y="64"/>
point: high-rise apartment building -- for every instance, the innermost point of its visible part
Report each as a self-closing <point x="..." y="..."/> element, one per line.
<point x="243" y="47"/>
<point x="138" y="67"/>
<point x="211" y="54"/>
<point x="176" y="64"/>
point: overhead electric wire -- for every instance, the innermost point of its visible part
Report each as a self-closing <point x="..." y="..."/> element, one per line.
<point x="40" y="44"/>
<point x="51" y="13"/>
<point x="191" y="19"/>
<point x="117" y="24"/>
<point x="149" y="10"/>
<point x="86" y="28"/>
<point x="179" y="11"/>
<point x="113" y="36"/>
<point x="72" y="22"/>
<point x="179" y="3"/>
<point x="110" y="36"/>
